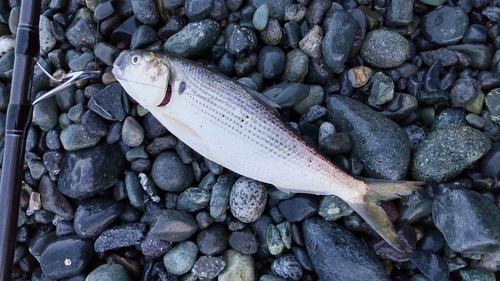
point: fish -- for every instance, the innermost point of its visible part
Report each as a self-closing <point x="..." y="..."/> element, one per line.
<point x="240" y="129"/>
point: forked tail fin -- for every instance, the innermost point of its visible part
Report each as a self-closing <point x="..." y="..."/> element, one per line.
<point x="366" y="206"/>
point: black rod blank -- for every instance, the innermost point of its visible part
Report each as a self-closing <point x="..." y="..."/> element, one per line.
<point x="18" y="120"/>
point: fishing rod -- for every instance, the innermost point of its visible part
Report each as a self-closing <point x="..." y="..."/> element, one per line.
<point x="19" y="114"/>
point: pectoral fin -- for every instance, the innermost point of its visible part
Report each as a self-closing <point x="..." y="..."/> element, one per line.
<point x="175" y="126"/>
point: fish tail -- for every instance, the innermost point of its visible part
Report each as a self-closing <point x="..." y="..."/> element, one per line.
<point x="366" y="206"/>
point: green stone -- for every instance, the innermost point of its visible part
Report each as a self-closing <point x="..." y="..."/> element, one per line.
<point x="492" y="101"/>
<point x="475" y="104"/>
<point x="479" y="54"/>
<point x="110" y="272"/>
<point x="477" y="275"/>
<point x="433" y="2"/>
<point x="274" y="242"/>
<point x="315" y="97"/>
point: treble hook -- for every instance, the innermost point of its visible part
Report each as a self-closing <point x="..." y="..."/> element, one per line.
<point x="66" y="81"/>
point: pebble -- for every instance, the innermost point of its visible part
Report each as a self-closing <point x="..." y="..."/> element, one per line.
<point x="431" y="265"/>
<point x="272" y="34"/>
<point x="181" y="258"/>
<point x="382" y="89"/>
<point x="287" y="267"/>
<point x="194" y="38"/>
<point x="240" y="267"/>
<point x="93" y="216"/>
<point x="312" y="42"/>
<point x="207" y="267"/>
<point x="303" y="258"/>
<point x="110" y="103"/>
<point x="271" y="62"/>
<point x="453" y="149"/>
<point x="86" y="172"/>
<point x="45" y="114"/>
<point x="82" y="32"/>
<point x="340" y="29"/>
<point x="53" y="201"/>
<point x="143" y="36"/>
<point x="160" y="144"/>
<point x="260" y="17"/>
<point x="444" y="25"/>
<point x="240" y="40"/>
<point x="479" y="54"/>
<point x="65" y="257"/>
<point x="385" y="49"/>
<point x="382" y="146"/>
<point x="219" y="201"/>
<point x="247" y="199"/>
<point x="152" y="247"/>
<point x="400" y="12"/>
<point x="47" y="39"/>
<point x="172" y="225"/>
<point x="132" y="132"/>
<point x="197" y="10"/>
<point x="179" y="175"/>
<point x="315" y="97"/>
<point x="464" y="90"/>
<point x="274" y="243"/>
<point x="120" y="236"/>
<point x="492" y="101"/>
<point x="477" y="232"/>
<point x="332" y="208"/>
<point x="145" y="11"/>
<point x="360" y="75"/>
<point x="476" y="274"/>
<point x="276" y="7"/>
<point x="106" y="53"/>
<point x="212" y="240"/>
<point x="296" y="66"/>
<point x="193" y="199"/>
<point x="244" y="242"/>
<point x="330" y="249"/>
<point x="299" y="207"/>
<point x="111" y="272"/>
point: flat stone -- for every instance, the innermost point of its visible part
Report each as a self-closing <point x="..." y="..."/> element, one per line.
<point x="120" y="236"/>
<point x="444" y="25"/>
<point x="385" y="48"/>
<point x="239" y="267"/>
<point x="194" y="38"/>
<point x="108" y="272"/>
<point x="340" y="30"/>
<point x="172" y="225"/>
<point x="93" y="216"/>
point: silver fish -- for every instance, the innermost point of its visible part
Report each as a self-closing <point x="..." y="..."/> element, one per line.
<point x="226" y="123"/>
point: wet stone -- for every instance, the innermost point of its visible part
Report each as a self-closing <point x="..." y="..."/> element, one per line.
<point x="181" y="258"/>
<point x="111" y="103"/>
<point x="492" y="101"/>
<point x="276" y="8"/>
<point x="193" y="199"/>
<point x="273" y="240"/>
<point x="146" y="11"/>
<point x="219" y="201"/>
<point x="311" y="43"/>
<point x="400" y="12"/>
<point x="239" y="267"/>
<point x="449" y="116"/>
<point x="464" y="90"/>
<point x="272" y="34"/>
<point x="479" y="54"/>
<point x="431" y="265"/>
<point x="299" y="207"/>
<point x="173" y="226"/>
<point x="244" y="242"/>
<point x="453" y="149"/>
<point x="76" y="137"/>
<point x="152" y="127"/>
<point x="478" y="232"/>
<point x="108" y="272"/>
<point x="53" y="200"/>
<point x="194" y="38"/>
<point x="385" y="49"/>
<point x="330" y="249"/>
<point x="106" y="53"/>
<point x="93" y="216"/>
<point x="340" y="30"/>
<point x="120" y="236"/>
<point x="476" y="274"/>
<point x="296" y="66"/>
<point x="88" y="171"/>
<point x="132" y="132"/>
<point x="197" y="10"/>
<point x="240" y="40"/>
<point x="143" y="36"/>
<point x="212" y="240"/>
<point x="382" y="146"/>
<point x="160" y="144"/>
<point x="260" y="17"/>
<point x="382" y="89"/>
<point x="152" y="247"/>
<point x="271" y="62"/>
<point x="208" y="267"/>
<point x="247" y="199"/>
<point x="332" y="208"/>
<point x="45" y="114"/>
<point x="65" y="257"/>
<point x="445" y="25"/>
<point x="287" y="267"/>
<point x="179" y="175"/>
<point x="82" y="32"/>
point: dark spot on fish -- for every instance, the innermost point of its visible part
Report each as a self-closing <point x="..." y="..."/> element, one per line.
<point x="182" y="87"/>
<point x="166" y="98"/>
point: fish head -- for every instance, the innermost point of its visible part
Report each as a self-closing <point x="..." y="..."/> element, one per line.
<point x="144" y="75"/>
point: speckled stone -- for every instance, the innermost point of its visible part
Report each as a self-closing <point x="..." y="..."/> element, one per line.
<point x="239" y="267"/>
<point x="385" y="49"/>
<point x="181" y="258"/>
<point x="248" y="199"/>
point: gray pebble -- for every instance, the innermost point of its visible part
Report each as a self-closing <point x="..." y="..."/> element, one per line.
<point x="296" y="66"/>
<point x="382" y="89"/>
<point x="172" y="225"/>
<point x="248" y="199"/>
<point x="311" y="43"/>
<point x="260" y="17"/>
<point x="76" y="136"/>
<point x="385" y="49"/>
<point x="332" y="208"/>
<point x="287" y="267"/>
<point x="208" y="267"/>
<point x="108" y="272"/>
<point x="145" y="11"/>
<point x="181" y="258"/>
<point x="170" y="174"/>
<point x="120" y="236"/>
<point x="193" y="199"/>
<point x="132" y="132"/>
<point x="194" y="38"/>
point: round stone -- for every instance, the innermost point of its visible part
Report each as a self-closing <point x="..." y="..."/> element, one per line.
<point x="287" y="267"/>
<point x="170" y="173"/>
<point x="248" y="199"/>
<point x="359" y="76"/>
<point x="271" y="62"/>
<point x="111" y="272"/>
<point x="181" y="258"/>
<point x="444" y="25"/>
<point x="385" y="49"/>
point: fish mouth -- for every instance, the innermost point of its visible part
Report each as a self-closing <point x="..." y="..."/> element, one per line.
<point x="118" y="66"/>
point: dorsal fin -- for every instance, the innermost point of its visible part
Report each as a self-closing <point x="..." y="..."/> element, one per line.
<point x="265" y="101"/>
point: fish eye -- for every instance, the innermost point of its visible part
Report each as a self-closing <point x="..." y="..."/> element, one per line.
<point x="135" y="59"/>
